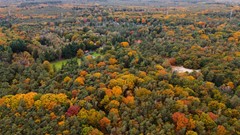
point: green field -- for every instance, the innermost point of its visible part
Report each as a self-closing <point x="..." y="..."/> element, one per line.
<point x="58" y="64"/>
<point x="95" y="54"/>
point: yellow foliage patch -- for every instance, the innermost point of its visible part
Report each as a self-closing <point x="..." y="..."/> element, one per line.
<point x="80" y="80"/>
<point x="97" y="75"/>
<point x="128" y="100"/>
<point x="67" y="79"/>
<point x="48" y="101"/>
<point x="117" y="91"/>
<point x="112" y="61"/>
<point x="124" y="44"/>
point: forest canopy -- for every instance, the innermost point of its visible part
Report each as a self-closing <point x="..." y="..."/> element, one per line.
<point x="94" y="69"/>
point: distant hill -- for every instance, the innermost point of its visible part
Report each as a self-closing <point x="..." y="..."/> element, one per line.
<point x="133" y="2"/>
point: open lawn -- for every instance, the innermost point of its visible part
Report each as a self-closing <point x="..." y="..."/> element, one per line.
<point x="95" y="54"/>
<point x="58" y="64"/>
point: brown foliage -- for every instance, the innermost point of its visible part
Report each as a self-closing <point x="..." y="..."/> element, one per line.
<point x="83" y="73"/>
<point x="101" y="64"/>
<point x="212" y="116"/>
<point x="72" y="110"/>
<point x="74" y="93"/>
<point x="172" y="61"/>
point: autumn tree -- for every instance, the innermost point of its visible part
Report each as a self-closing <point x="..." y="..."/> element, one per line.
<point x="47" y="66"/>
<point x="104" y="122"/>
<point x="117" y="91"/>
<point x="180" y="120"/>
<point x="80" y="80"/>
<point x="80" y="53"/>
<point x="112" y="61"/>
<point x="72" y="110"/>
<point x="221" y="130"/>
<point x="23" y="58"/>
<point x="124" y="44"/>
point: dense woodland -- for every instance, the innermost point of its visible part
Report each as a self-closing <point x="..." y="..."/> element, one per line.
<point x="117" y="75"/>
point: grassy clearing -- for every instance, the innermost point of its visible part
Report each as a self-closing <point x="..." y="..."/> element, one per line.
<point x="58" y="64"/>
<point x="95" y="54"/>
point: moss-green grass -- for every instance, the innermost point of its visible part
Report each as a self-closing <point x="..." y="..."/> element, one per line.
<point x="95" y="54"/>
<point x="58" y="64"/>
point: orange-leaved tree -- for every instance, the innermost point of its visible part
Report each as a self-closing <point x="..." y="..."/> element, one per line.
<point x="79" y="80"/>
<point x="180" y="120"/>
<point x="124" y="44"/>
<point x="104" y="122"/>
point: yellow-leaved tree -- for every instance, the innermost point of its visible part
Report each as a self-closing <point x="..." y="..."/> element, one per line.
<point x="124" y="44"/>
